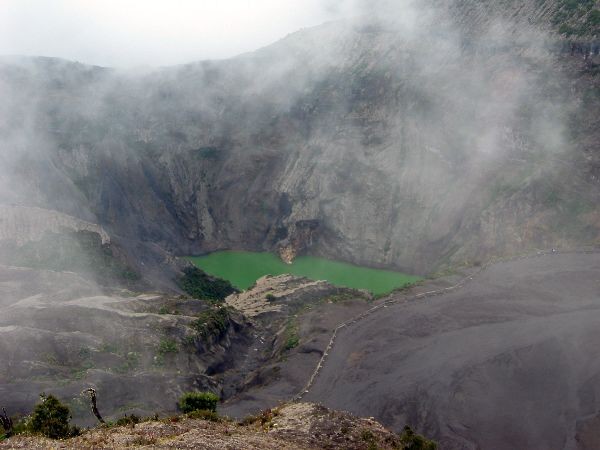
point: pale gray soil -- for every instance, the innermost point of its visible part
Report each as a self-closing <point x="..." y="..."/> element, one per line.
<point x="509" y="361"/>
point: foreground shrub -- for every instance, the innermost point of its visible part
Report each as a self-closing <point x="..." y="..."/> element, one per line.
<point x="130" y="420"/>
<point x="51" y="418"/>
<point x="411" y="440"/>
<point x="198" y="401"/>
<point x="22" y="424"/>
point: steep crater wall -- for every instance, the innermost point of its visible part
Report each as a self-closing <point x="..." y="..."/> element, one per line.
<point x="407" y="149"/>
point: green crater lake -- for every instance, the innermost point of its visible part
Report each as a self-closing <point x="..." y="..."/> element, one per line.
<point x="242" y="269"/>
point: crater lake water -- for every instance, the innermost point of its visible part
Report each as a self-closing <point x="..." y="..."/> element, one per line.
<point x="242" y="269"/>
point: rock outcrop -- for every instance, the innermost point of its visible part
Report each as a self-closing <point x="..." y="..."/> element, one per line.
<point x="271" y="292"/>
<point x="303" y="426"/>
<point x="22" y="224"/>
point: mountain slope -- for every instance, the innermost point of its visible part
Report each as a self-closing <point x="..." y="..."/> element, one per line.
<point x="404" y="145"/>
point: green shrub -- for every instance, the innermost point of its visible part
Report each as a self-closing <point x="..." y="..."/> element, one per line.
<point x="292" y="339"/>
<point x="201" y="285"/>
<point x="367" y="436"/>
<point x="566" y="29"/>
<point x="594" y="17"/>
<point x="411" y="440"/>
<point x="291" y="342"/>
<point x="167" y="346"/>
<point x="128" y="420"/>
<point x="212" y="322"/>
<point x="198" y="401"/>
<point x="51" y="418"/>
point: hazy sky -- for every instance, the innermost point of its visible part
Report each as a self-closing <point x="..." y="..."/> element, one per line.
<point x="129" y="33"/>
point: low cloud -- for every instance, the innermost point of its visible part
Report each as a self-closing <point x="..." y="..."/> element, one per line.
<point x="152" y="32"/>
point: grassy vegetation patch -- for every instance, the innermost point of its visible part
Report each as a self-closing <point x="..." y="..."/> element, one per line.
<point x="212" y="322"/>
<point x="292" y="337"/>
<point x="341" y="297"/>
<point x="577" y="17"/>
<point x="198" y="284"/>
<point x="412" y="440"/>
<point x="198" y="401"/>
<point x="167" y="346"/>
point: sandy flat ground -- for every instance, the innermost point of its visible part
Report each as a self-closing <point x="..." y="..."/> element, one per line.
<point x="511" y="360"/>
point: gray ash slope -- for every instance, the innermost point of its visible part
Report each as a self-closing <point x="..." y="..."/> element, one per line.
<point x="464" y="133"/>
<point x="508" y="361"/>
<point x="61" y="333"/>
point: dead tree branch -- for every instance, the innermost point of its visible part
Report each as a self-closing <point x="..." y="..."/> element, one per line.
<point x="7" y="423"/>
<point x="92" y="393"/>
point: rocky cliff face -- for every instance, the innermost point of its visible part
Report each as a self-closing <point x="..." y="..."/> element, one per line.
<point x="462" y="133"/>
<point x="21" y="224"/>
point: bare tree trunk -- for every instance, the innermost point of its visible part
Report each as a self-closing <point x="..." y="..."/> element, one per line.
<point x="92" y="394"/>
<point x="7" y="423"/>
